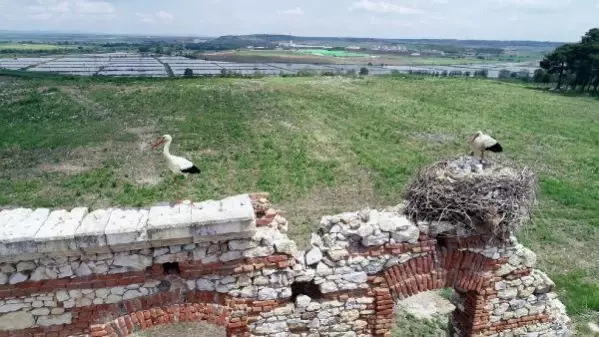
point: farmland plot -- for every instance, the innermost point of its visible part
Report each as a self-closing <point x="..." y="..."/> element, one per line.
<point x="20" y="63"/>
<point x="356" y="68"/>
<point x="197" y="68"/>
<point x="294" y="67"/>
<point x="251" y="68"/>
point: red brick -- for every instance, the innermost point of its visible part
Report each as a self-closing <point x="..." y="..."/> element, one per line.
<point x="99" y="333"/>
<point x="420" y="265"/>
<point x="97" y="327"/>
<point x="236" y="325"/>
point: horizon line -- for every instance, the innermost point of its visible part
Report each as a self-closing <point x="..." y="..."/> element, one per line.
<point x="253" y="34"/>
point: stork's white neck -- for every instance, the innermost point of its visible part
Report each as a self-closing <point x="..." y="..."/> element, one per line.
<point x="166" y="150"/>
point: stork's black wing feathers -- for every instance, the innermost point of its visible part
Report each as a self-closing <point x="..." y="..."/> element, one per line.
<point x="192" y="170"/>
<point x="495" y="148"/>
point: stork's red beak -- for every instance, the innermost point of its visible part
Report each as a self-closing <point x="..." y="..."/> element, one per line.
<point x="157" y="142"/>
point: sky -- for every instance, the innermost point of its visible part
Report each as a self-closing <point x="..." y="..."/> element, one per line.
<point x="544" y="20"/>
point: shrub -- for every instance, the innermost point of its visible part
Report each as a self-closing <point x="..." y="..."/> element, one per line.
<point x="504" y="73"/>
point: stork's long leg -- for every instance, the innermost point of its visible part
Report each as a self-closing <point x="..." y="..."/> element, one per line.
<point x="178" y="182"/>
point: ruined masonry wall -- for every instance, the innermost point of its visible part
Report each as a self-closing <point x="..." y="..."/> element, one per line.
<point x="229" y="262"/>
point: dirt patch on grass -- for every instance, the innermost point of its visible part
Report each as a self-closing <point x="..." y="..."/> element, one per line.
<point x="19" y="163"/>
<point x="426" y="305"/>
<point x="144" y="134"/>
<point x="326" y="147"/>
<point x="67" y="168"/>
<point x="288" y="125"/>
<point x="76" y="95"/>
<point x="143" y="165"/>
<point x="433" y="137"/>
<point x="184" y="330"/>
<point x="134" y="160"/>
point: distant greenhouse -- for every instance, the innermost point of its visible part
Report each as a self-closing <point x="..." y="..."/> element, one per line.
<point x="133" y="64"/>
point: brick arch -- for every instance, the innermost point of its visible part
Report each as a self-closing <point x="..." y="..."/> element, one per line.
<point x="141" y="320"/>
<point x="438" y="266"/>
<point x="454" y="264"/>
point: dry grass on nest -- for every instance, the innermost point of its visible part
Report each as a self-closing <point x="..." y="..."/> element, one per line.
<point x="496" y="200"/>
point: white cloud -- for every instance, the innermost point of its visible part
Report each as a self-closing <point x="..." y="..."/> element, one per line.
<point x="294" y="11"/>
<point x="164" y="15"/>
<point x="391" y="23"/>
<point x="50" y="6"/>
<point x="534" y="5"/>
<point x="382" y="7"/>
<point x="93" y="7"/>
<point x="145" y="17"/>
<point x="48" y="9"/>
<point x="160" y="16"/>
<point x="41" y="16"/>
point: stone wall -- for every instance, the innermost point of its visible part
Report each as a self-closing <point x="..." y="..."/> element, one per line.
<point x="229" y="262"/>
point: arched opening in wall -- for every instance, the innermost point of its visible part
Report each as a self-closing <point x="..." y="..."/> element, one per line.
<point x="309" y="289"/>
<point x="424" y="314"/>
<point x="442" y="240"/>
<point x="171" y="268"/>
<point x="200" y="329"/>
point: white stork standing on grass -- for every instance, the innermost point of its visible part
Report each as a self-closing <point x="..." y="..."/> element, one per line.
<point x="178" y="165"/>
<point x="480" y="142"/>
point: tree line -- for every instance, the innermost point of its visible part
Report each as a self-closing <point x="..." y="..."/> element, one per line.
<point x="576" y="65"/>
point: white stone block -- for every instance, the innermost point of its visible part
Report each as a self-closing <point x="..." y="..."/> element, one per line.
<point x="55" y="319"/>
<point x="57" y="234"/>
<point x="10" y="307"/>
<point x="90" y="235"/>
<point x="16" y="321"/>
<point x="228" y="216"/>
<point x="133" y="261"/>
<point x="313" y="256"/>
<point x="126" y="229"/>
<point x="25" y="265"/>
<point x="17" y="278"/>
<point x="166" y="223"/>
<point x="18" y="228"/>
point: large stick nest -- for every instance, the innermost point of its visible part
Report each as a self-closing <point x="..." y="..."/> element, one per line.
<point x="493" y="199"/>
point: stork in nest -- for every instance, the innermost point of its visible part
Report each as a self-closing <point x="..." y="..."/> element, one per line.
<point x="480" y="142"/>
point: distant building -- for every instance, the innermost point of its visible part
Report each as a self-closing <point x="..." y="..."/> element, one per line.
<point x="386" y="47"/>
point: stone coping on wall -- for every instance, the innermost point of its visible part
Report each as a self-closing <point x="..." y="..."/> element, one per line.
<point x="31" y="233"/>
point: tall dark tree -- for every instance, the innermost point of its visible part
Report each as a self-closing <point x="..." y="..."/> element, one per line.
<point x="577" y="64"/>
<point x="555" y="63"/>
<point x="538" y="75"/>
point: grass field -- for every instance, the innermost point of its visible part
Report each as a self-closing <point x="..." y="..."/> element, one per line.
<point x="25" y="46"/>
<point x="265" y="56"/>
<point x="319" y="145"/>
<point x="336" y="53"/>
